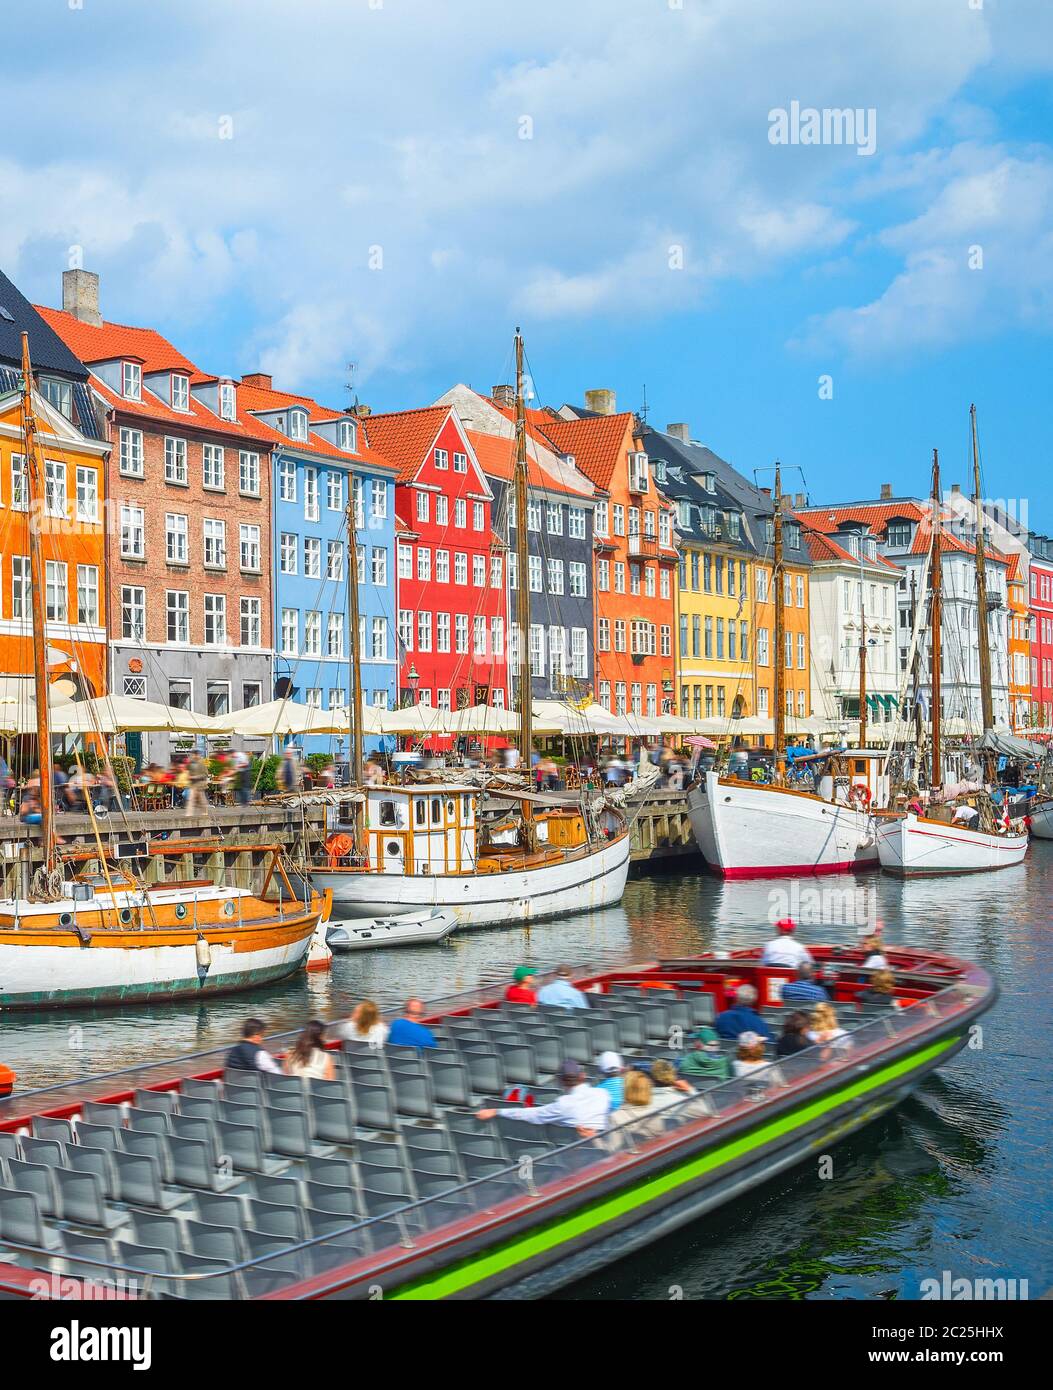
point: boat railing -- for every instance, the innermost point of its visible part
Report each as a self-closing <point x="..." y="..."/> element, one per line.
<point x="380" y="1242"/>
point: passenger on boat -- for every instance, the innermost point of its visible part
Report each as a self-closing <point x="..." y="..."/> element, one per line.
<point x="750" y="1056"/>
<point x="637" y="1109"/>
<point x="704" y="1057"/>
<point x="560" y="993"/>
<point x="611" y="1068"/>
<point x="742" y="1017"/>
<point x="668" y="1087"/>
<point x="250" y="1054"/>
<point x="783" y="949"/>
<point x="408" y="1031"/>
<point x="792" y="1038"/>
<point x="882" y="990"/>
<point x="823" y="1027"/>
<point x="521" y="990"/>
<point x="307" y="1057"/>
<point x="364" y="1025"/>
<point x="804" y="989"/>
<point x="582" y="1107"/>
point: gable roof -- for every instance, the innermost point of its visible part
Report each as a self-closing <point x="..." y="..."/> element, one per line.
<point x="405" y="436"/>
<point x="47" y="351"/>
<point x="875" y="518"/>
<point x="597" y="442"/>
<point x="822" y="547"/>
<point x="264" y="399"/>
<point x="497" y="457"/>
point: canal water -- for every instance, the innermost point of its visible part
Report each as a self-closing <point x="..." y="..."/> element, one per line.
<point x="957" y="1179"/>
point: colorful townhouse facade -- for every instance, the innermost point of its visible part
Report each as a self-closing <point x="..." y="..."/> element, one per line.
<point x="560" y="534"/>
<point x="1020" y="624"/>
<point x="320" y="459"/>
<point x="188" y="546"/>
<point x="451" y="572"/>
<point x="1040" y="607"/>
<point x="634" y="555"/>
<point x="72" y="520"/>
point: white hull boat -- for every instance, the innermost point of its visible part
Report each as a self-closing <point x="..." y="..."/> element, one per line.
<point x="584" y="882"/>
<point x="405" y="929"/>
<point x="913" y="845"/>
<point x="755" y="830"/>
<point x="1040" y="814"/>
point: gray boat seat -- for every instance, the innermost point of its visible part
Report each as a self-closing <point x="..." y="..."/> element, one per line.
<point x="21" y="1219"/>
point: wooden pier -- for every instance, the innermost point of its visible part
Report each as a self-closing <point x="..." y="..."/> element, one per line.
<point x="661" y="834"/>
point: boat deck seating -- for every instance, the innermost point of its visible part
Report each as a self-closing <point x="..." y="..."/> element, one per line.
<point x="206" y="1177"/>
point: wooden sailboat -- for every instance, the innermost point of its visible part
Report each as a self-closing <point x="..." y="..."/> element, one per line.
<point x="77" y="937"/>
<point x="752" y="829"/>
<point x="913" y="845"/>
<point x="443" y="844"/>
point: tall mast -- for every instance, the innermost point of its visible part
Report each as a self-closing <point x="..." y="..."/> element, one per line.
<point x="986" y="699"/>
<point x="936" y="619"/>
<point x="862" y="653"/>
<point x="526" y="710"/>
<point x="37" y="490"/>
<point x="779" y="654"/>
<point x="354" y="655"/>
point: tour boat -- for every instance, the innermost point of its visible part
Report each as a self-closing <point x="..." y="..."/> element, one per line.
<point x="402" y="929"/>
<point x="417" y="846"/>
<point x="910" y="844"/>
<point x="385" y="1178"/>
<point x="71" y="937"/>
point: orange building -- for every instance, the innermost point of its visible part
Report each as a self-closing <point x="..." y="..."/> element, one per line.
<point x="635" y="558"/>
<point x="1019" y="645"/>
<point x="796" y="654"/>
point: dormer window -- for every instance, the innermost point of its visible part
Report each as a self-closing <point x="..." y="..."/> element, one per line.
<point x="793" y="535"/>
<point x="897" y="536"/>
<point x="131" y="380"/>
<point x="348" y="435"/>
<point x="227" y="401"/>
<point x="59" y="393"/>
<point x="659" y="470"/>
<point x="298" y="424"/>
<point x="683" y="515"/>
<point x="180" y="392"/>
<point x="709" y="482"/>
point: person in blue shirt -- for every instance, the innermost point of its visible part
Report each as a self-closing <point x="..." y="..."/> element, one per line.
<point x="612" y="1070"/>
<point x="408" y="1031"/>
<point x="804" y="989"/>
<point x="742" y="1017"/>
<point x="561" y="993"/>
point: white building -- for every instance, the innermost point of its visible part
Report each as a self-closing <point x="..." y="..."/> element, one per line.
<point x="852" y="587"/>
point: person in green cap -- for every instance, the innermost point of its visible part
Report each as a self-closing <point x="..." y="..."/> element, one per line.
<point x="704" y="1057"/>
<point x="523" y="989"/>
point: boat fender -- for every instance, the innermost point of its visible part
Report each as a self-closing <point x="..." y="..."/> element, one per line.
<point x="203" y="952"/>
<point x="7" y="1081"/>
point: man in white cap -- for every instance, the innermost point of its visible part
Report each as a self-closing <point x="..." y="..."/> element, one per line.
<point x="612" y="1069"/>
<point x="784" y="949"/>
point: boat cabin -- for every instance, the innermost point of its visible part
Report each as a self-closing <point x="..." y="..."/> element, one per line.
<point x="430" y="829"/>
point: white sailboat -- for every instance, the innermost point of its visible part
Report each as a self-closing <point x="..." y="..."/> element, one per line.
<point x="913" y="844"/>
<point x="749" y="829"/>
<point x="421" y="846"/>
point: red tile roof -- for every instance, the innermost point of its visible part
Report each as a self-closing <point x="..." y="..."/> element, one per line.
<point x="497" y="456"/>
<point x="823" y="547"/>
<point x="405" y="436"/>
<point x="877" y="515"/>
<point x="597" y="443"/>
<point x="265" y="399"/>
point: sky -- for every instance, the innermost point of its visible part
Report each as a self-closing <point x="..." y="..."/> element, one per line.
<point x="381" y="190"/>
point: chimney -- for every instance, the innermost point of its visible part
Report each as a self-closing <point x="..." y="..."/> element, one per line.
<point x="601" y="402"/>
<point x="503" y="395"/>
<point x="785" y="502"/>
<point x="80" y="296"/>
<point x="261" y="380"/>
<point x="681" y="432"/>
<point x="766" y="491"/>
<point x="956" y="487"/>
<point x="800" y="499"/>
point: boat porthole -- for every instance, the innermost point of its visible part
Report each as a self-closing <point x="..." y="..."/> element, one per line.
<point x="228" y="909"/>
<point x="392" y="847"/>
<point x="181" y="910"/>
<point x="66" y="919"/>
<point x="125" y="915"/>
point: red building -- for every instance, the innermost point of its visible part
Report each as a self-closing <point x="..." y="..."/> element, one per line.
<point x="452" y="618"/>
<point x="1040" y="606"/>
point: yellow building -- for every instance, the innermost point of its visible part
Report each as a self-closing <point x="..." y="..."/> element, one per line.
<point x="714" y="615"/>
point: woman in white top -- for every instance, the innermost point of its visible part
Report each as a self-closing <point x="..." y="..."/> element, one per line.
<point x="638" y="1110"/>
<point x="824" y="1027"/>
<point x="308" y="1057"/>
<point x="365" y="1025"/>
<point x="750" y="1056"/>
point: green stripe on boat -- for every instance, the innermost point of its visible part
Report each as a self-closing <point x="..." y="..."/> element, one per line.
<point x="531" y="1243"/>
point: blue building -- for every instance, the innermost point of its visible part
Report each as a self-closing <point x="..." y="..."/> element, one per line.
<point x="319" y="457"/>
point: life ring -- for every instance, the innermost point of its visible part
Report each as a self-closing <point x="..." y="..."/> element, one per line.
<point x="339" y="847"/>
<point x="860" y="792"/>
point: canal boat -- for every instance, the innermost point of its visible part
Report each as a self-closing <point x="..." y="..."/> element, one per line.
<point x="400" y="929"/>
<point x="387" y="1182"/>
<point x="912" y="844"/>
<point x="427" y="845"/>
<point x="77" y="935"/>
<point x="776" y="828"/>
